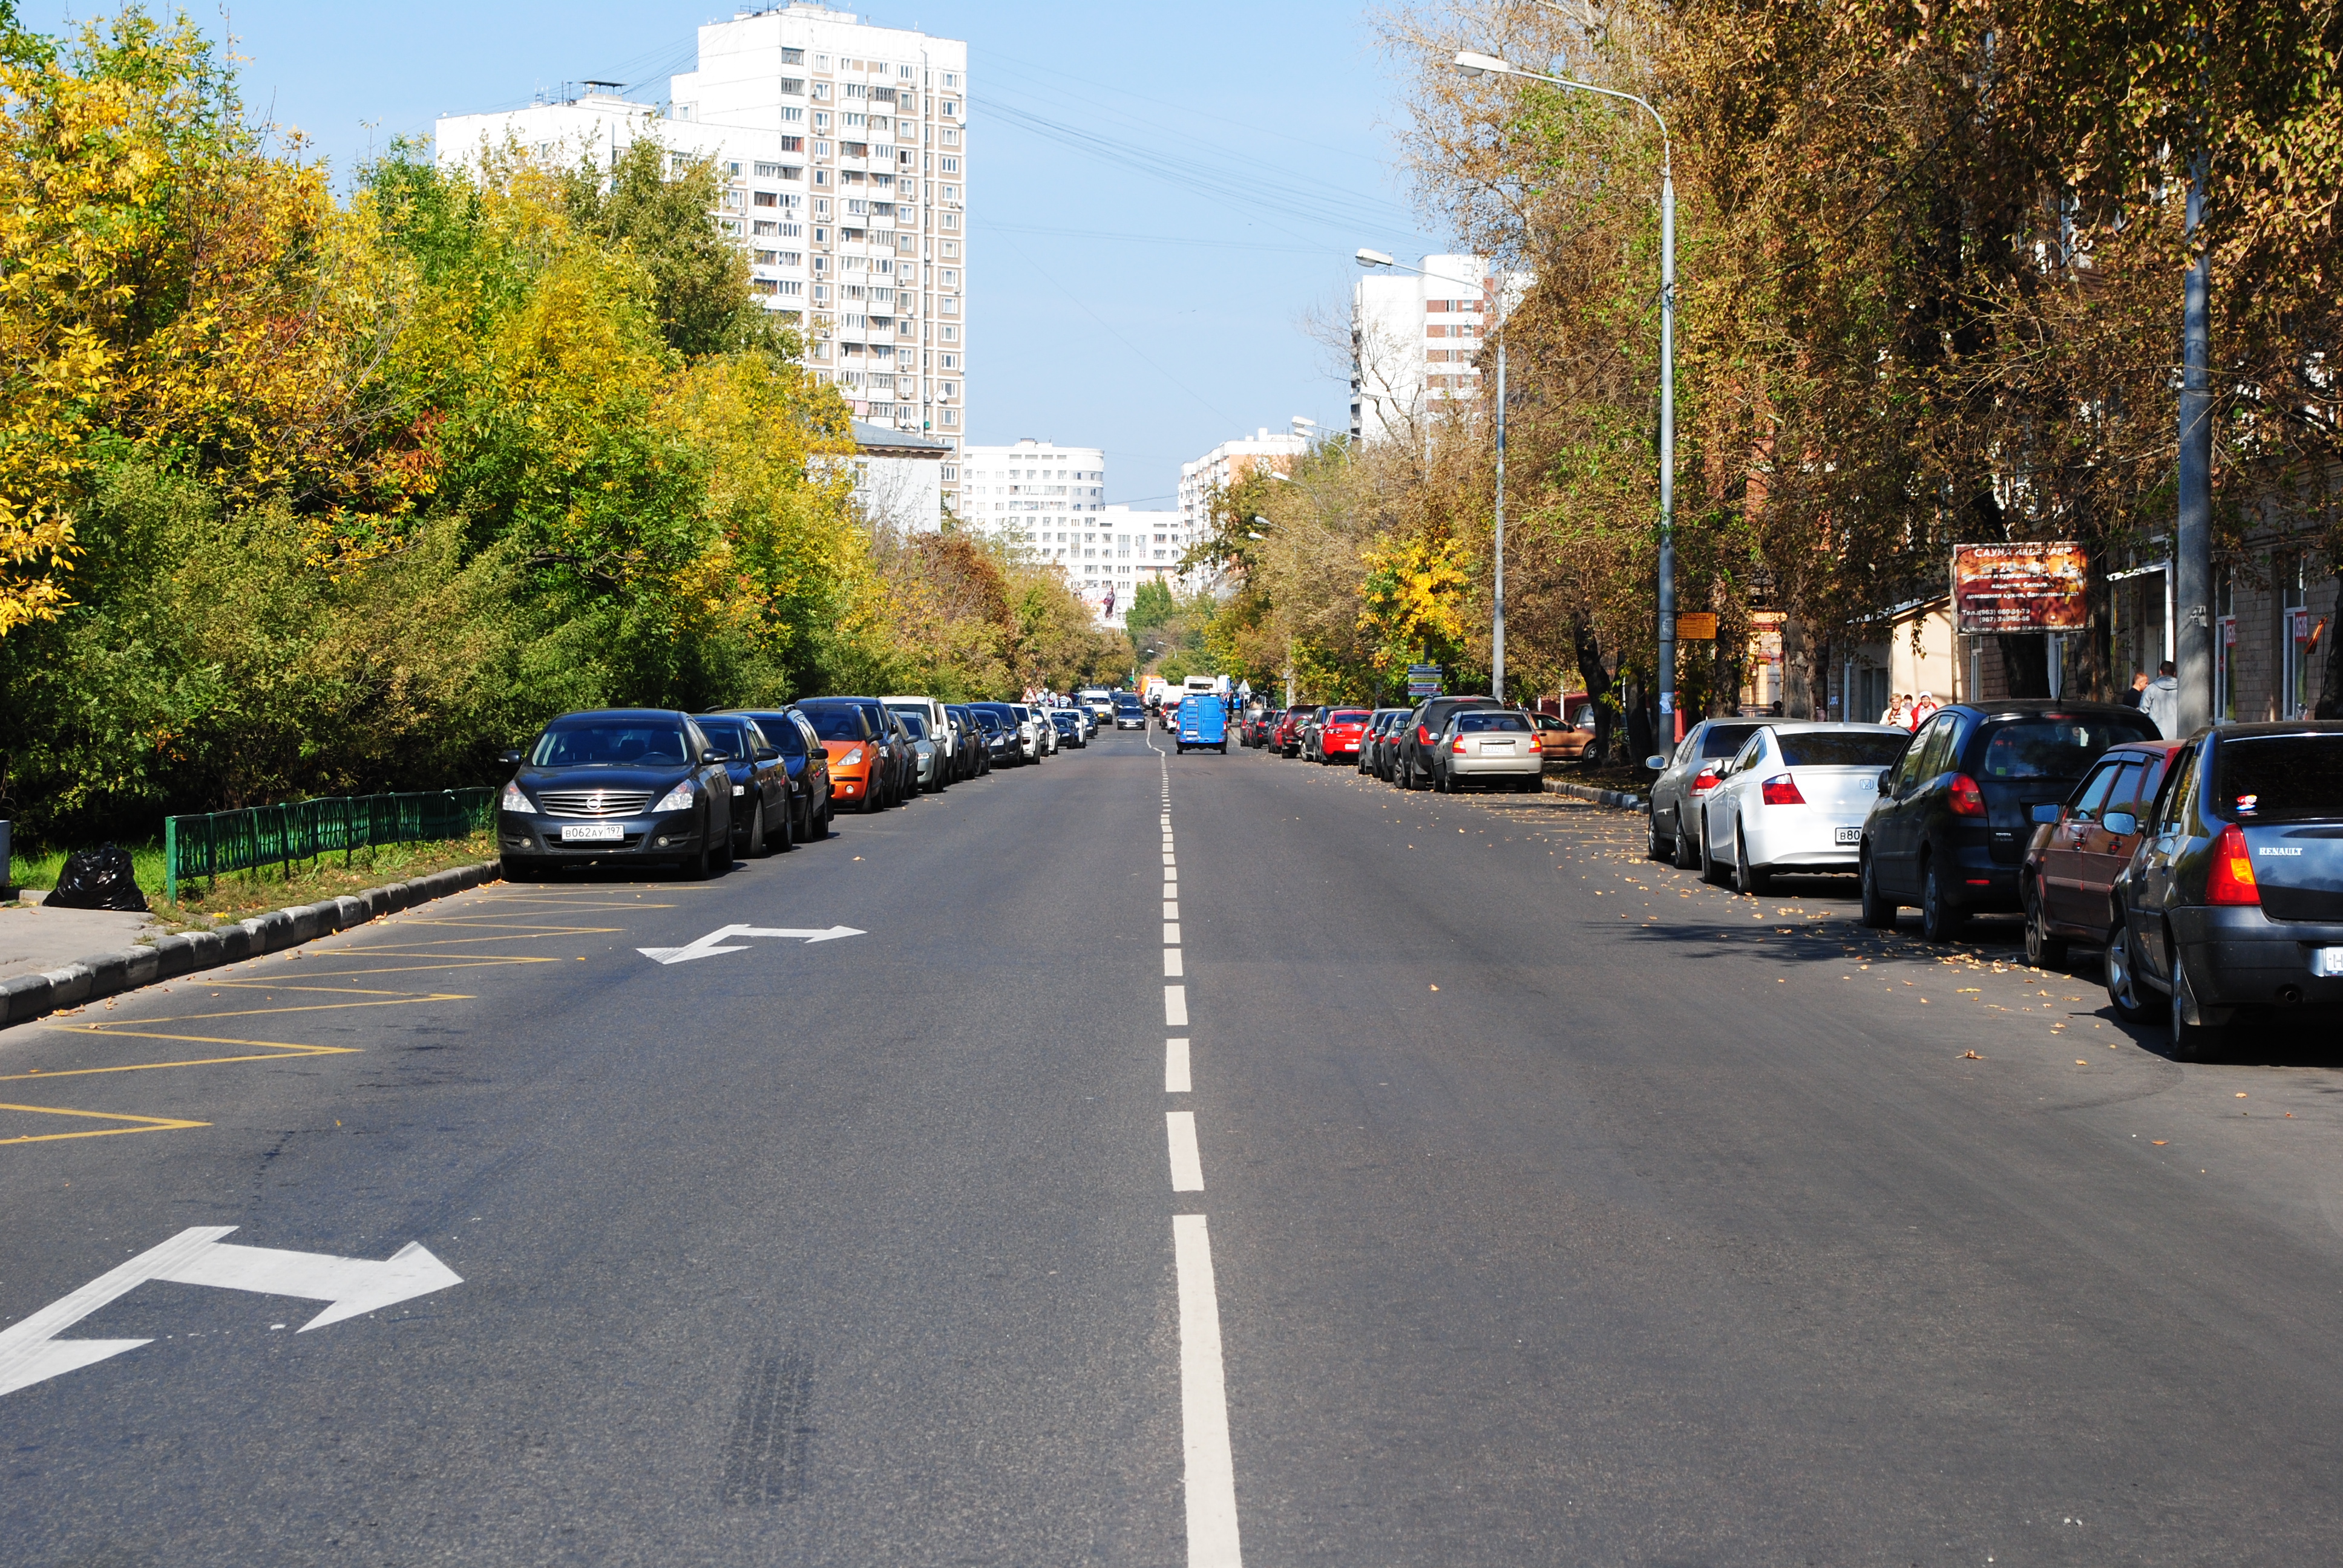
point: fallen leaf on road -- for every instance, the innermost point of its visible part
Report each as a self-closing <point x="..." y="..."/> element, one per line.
<point x="1435" y="987"/>
<point x="1971" y="1056"/>
<point x="2080" y="1062"/>
<point x="2241" y="1094"/>
<point x="2159" y="1142"/>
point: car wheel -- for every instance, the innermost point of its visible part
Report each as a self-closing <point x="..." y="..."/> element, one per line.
<point x="789" y="830"/>
<point x="754" y="847"/>
<point x="1652" y="843"/>
<point x="1747" y="880"/>
<point x="1686" y="849"/>
<point x="1878" y="910"/>
<point x="2189" y="1041"/>
<point x="1710" y="872"/>
<point x="697" y="867"/>
<point x="2043" y="950"/>
<point x="1440" y="780"/>
<point x="872" y="804"/>
<point x="2121" y="978"/>
<point x="829" y="815"/>
<point x="1940" y="920"/>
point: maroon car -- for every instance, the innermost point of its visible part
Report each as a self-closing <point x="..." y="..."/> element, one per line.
<point x="2067" y="882"/>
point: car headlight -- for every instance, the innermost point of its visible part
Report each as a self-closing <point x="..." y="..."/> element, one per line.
<point x="678" y="799"/>
<point x="852" y="757"/>
<point x="515" y="801"/>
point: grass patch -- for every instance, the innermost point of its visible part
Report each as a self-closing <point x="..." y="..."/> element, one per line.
<point x="205" y="901"/>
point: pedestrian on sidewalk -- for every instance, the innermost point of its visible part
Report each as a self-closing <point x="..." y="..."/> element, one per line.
<point x="1894" y="714"/>
<point x="1924" y="708"/>
<point x="2161" y="700"/>
<point x="2138" y="687"/>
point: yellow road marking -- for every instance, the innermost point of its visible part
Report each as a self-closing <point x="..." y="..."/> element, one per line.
<point x="277" y="1051"/>
<point x="145" y="1124"/>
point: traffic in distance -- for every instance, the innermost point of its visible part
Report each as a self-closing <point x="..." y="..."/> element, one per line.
<point x="2204" y="875"/>
<point x="696" y="791"/>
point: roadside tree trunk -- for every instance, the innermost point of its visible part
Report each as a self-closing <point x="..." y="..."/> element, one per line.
<point x="1588" y="652"/>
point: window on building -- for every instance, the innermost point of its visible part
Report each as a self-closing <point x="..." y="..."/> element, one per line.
<point x="951" y="78"/>
<point x="952" y="248"/>
<point x="854" y="121"/>
<point x="952" y="108"/>
<point x="791" y="145"/>
<point x="951" y="416"/>
<point x="765" y="198"/>
<point x="952" y="220"/>
<point x="951" y="139"/>
<point x="763" y="229"/>
<point x="793" y="56"/>
<point x="792" y="114"/>
<point x="951" y="333"/>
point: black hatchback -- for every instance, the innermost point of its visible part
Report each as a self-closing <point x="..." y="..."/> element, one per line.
<point x="2233" y="900"/>
<point x="617" y="785"/>
<point x="1949" y="829"/>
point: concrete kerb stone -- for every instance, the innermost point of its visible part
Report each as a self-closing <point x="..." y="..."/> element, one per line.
<point x="27" y="997"/>
<point x="1617" y="799"/>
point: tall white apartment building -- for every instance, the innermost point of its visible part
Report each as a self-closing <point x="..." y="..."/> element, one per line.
<point x="843" y="150"/>
<point x="1159" y="539"/>
<point x="1229" y="464"/>
<point x="1051" y="501"/>
<point x="1413" y="343"/>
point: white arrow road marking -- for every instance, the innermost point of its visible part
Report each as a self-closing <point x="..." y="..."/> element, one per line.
<point x="709" y="946"/>
<point x="30" y="1353"/>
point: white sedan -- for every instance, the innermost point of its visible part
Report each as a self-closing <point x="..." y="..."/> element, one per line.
<point x="1794" y="799"/>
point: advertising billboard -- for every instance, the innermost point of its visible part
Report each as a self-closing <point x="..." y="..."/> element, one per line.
<point x="2017" y="588"/>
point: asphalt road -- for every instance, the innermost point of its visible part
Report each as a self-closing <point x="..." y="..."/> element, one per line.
<point x="1549" y="1206"/>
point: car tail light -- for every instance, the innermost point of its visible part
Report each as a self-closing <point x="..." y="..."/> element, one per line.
<point x="1782" y="791"/>
<point x="1968" y="800"/>
<point x="1423" y="736"/>
<point x="1706" y="782"/>
<point x="1457" y="746"/>
<point x="2232" y="881"/>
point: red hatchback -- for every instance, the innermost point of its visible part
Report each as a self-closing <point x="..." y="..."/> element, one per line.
<point x="1286" y="738"/>
<point x="1338" y="738"/>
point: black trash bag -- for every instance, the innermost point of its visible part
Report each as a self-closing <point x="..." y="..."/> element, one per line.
<point x="100" y="878"/>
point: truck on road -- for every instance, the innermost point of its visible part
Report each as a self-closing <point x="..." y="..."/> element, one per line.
<point x="1204" y="721"/>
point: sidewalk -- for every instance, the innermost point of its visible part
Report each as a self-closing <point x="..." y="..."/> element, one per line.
<point x="34" y="940"/>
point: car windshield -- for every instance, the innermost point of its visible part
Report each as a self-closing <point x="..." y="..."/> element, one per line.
<point x="783" y="736"/>
<point x="2279" y="777"/>
<point x="727" y="736"/>
<point x="1824" y="749"/>
<point x="2053" y="748"/>
<point x="1467" y="723"/>
<point x="1724" y="739"/>
<point x="836" y="723"/>
<point x="988" y="720"/>
<point x="614" y="745"/>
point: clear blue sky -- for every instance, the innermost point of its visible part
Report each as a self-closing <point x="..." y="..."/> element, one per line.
<point x="1270" y="123"/>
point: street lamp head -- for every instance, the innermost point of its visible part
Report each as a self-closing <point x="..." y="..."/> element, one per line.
<point x="1472" y="64"/>
<point x="1373" y="258"/>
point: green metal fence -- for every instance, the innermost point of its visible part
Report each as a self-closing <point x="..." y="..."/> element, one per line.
<point x="217" y="841"/>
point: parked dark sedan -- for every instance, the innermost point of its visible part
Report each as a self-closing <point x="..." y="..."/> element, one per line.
<point x="761" y="819"/>
<point x="2232" y="906"/>
<point x="808" y="762"/>
<point x="617" y="785"/>
<point x="1949" y="829"/>
<point x="1000" y="741"/>
<point x="974" y="758"/>
<point x="1420" y="728"/>
<point x="2068" y="881"/>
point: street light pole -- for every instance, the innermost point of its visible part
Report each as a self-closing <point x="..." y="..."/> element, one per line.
<point x="1472" y="64"/>
<point x="1373" y="258"/>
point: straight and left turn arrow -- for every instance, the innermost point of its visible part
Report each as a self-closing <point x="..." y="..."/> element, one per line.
<point x="709" y="946"/>
<point x="30" y="1353"/>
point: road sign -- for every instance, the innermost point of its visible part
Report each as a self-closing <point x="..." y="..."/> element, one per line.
<point x="709" y="946"/>
<point x="1425" y="679"/>
<point x="30" y="1353"/>
<point x="1696" y="627"/>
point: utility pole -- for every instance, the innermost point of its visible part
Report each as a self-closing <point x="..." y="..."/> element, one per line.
<point x="1670" y="721"/>
<point x="1497" y="596"/>
<point x="2192" y="541"/>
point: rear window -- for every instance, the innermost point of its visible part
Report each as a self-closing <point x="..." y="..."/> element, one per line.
<point x="1348" y="716"/>
<point x="913" y="721"/>
<point x="1467" y="723"/>
<point x="2279" y="777"/>
<point x="2053" y="748"/>
<point x="1724" y="739"/>
<point x="1822" y="749"/>
<point x="626" y="745"/>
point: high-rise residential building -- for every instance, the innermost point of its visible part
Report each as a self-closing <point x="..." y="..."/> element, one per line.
<point x="1414" y="341"/>
<point x="1227" y="465"/>
<point x="842" y="149"/>
<point x="1159" y="539"/>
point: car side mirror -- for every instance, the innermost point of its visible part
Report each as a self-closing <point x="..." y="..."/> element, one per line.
<point x="509" y="758"/>
<point x="1886" y="781"/>
<point x="768" y="753"/>
<point x="1656" y="764"/>
<point x="2120" y="822"/>
<point x="2050" y="813"/>
<point x="712" y="758"/>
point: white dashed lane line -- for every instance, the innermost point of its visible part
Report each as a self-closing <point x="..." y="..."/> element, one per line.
<point x="1210" y="1463"/>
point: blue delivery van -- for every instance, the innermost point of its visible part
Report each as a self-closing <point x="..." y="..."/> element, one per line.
<point x="1203" y="722"/>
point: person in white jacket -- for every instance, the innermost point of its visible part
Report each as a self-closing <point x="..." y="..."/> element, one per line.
<point x="2161" y="701"/>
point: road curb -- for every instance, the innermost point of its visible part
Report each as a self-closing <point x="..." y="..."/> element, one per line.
<point x="28" y="997"/>
<point x="1618" y="799"/>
